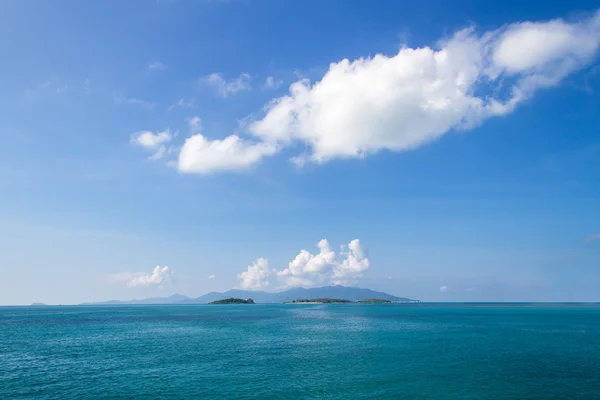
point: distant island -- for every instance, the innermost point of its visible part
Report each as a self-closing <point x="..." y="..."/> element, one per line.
<point x="232" y="300"/>
<point x="351" y="294"/>
<point x="335" y="301"/>
<point x="375" y="301"/>
<point x="317" y="301"/>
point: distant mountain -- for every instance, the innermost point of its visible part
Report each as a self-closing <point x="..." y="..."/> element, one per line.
<point x="174" y="299"/>
<point x="334" y="292"/>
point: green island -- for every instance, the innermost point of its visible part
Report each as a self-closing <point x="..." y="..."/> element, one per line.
<point x="232" y="300"/>
<point x="334" y="301"/>
<point x="374" y="301"/>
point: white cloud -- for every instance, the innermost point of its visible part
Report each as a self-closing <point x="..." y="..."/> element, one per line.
<point x="159" y="277"/>
<point x="257" y="275"/>
<point x="326" y="267"/>
<point x="443" y="289"/>
<point x="211" y="277"/>
<point x="155" y="142"/>
<point x="593" y="237"/>
<point x="398" y="102"/>
<point x="183" y="103"/>
<point x="271" y="83"/>
<point x="203" y="156"/>
<point x="156" y="66"/>
<point x="226" y="88"/>
<point x="401" y="102"/>
<point x="132" y="101"/>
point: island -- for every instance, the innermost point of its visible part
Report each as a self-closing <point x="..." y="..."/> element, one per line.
<point x="232" y="300"/>
<point x="319" y="301"/>
<point x="335" y="301"/>
<point x="375" y="301"/>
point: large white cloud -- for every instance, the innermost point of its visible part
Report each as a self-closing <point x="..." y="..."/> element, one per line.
<point x="158" y="277"/>
<point x="326" y="267"/>
<point x="401" y="102"/>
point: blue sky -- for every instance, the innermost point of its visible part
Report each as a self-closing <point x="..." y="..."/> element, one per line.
<point x="459" y="145"/>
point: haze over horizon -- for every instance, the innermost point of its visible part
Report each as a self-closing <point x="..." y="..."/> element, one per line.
<point x="153" y="148"/>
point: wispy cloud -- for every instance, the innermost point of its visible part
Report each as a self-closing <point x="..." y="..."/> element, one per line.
<point x="87" y="86"/>
<point x="443" y="289"/>
<point x="195" y="124"/>
<point x="183" y="103"/>
<point x="156" y="66"/>
<point x="271" y="83"/>
<point x="132" y="101"/>
<point x="592" y="237"/>
<point x="211" y="277"/>
<point x="226" y="88"/>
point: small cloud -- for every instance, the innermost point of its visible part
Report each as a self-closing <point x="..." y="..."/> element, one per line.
<point x="211" y="277"/>
<point x="389" y="277"/>
<point x="443" y="289"/>
<point x="471" y="289"/>
<point x="225" y="88"/>
<point x="132" y="101"/>
<point x="61" y="89"/>
<point x="156" y="66"/>
<point x="152" y="141"/>
<point x="272" y="84"/>
<point x="160" y="276"/>
<point x="592" y="237"/>
<point x="183" y="103"/>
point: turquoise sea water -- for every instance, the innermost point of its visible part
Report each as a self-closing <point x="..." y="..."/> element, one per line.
<point x="424" y="351"/>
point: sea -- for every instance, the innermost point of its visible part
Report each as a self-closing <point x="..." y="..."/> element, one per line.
<point x="286" y="351"/>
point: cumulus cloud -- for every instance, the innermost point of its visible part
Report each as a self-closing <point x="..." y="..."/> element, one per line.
<point x="327" y="266"/>
<point x="257" y="275"/>
<point x="225" y="88"/>
<point x="155" y="142"/>
<point x="202" y="156"/>
<point x="401" y="102"/>
<point x="271" y="83"/>
<point x="443" y="289"/>
<point x="158" y="277"/>
<point x="593" y="237"/>
<point x="211" y="277"/>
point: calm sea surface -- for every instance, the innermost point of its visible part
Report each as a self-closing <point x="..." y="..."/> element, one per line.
<point x="425" y="351"/>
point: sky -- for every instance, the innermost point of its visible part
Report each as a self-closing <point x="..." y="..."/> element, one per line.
<point x="443" y="153"/>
